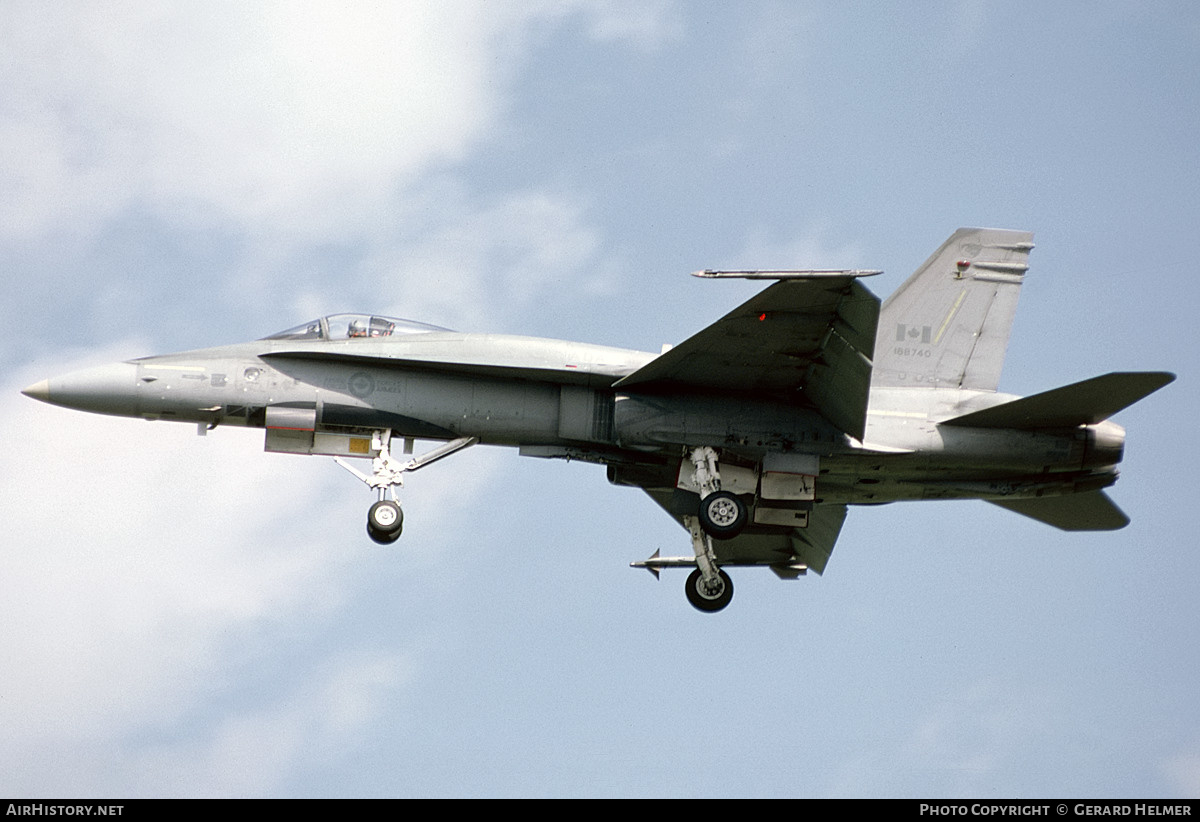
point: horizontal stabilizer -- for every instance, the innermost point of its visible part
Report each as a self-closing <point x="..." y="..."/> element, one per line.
<point x="1081" y="403"/>
<point x="1091" y="511"/>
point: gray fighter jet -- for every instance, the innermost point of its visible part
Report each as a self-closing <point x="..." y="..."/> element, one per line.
<point x="756" y="433"/>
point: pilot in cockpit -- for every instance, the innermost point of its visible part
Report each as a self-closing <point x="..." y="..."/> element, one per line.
<point x="370" y="327"/>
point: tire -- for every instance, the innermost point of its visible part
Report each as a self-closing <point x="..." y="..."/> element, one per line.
<point x="723" y="515"/>
<point x="380" y="537"/>
<point x="385" y="517"/>
<point x="705" y="600"/>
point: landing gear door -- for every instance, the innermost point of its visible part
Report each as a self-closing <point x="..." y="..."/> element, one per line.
<point x="789" y="477"/>
<point x="787" y="489"/>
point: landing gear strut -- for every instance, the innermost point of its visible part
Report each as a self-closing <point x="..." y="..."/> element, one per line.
<point x="385" y="519"/>
<point x="708" y="587"/>
<point x="722" y="513"/>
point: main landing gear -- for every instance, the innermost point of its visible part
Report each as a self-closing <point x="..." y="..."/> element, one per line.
<point x="385" y="519"/>
<point x="720" y="515"/>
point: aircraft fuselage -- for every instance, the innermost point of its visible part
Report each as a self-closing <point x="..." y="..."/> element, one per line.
<point x="554" y="398"/>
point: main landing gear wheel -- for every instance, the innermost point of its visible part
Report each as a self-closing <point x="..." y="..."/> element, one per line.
<point x="706" y="598"/>
<point x="723" y="514"/>
<point x="385" y="520"/>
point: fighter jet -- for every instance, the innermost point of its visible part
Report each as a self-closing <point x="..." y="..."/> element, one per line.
<point x="756" y="434"/>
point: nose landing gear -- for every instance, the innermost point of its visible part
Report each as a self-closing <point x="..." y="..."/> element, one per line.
<point x="385" y="519"/>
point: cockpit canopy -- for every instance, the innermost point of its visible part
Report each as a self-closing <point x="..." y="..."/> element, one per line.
<point x="353" y="327"/>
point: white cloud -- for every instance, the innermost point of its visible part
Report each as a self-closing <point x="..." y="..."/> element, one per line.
<point x="264" y="112"/>
<point x="453" y="259"/>
<point x="135" y="563"/>
<point x="143" y="563"/>
<point x="148" y="575"/>
<point x="971" y="735"/>
<point x="487" y="260"/>
<point x="645" y="23"/>
<point x="810" y="248"/>
<point x="967" y="742"/>
<point x="293" y="119"/>
<point x="280" y="131"/>
<point x="255" y="752"/>
<point x="1183" y="773"/>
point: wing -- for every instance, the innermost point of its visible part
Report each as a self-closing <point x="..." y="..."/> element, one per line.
<point x="788" y="551"/>
<point x="807" y="338"/>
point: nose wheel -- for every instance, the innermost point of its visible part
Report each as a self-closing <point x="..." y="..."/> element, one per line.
<point x="385" y="521"/>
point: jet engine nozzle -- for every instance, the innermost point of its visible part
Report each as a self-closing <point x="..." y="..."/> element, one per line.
<point x="1105" y="445"/>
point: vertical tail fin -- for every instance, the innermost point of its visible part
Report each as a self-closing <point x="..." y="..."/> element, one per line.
<point x="947" y="326"/>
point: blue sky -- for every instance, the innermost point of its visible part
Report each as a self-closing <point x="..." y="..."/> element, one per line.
<point x="186" y="616"/>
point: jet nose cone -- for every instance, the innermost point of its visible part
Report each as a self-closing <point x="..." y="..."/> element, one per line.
<point x="105" y="389"/>
<point x="38" y="391"/>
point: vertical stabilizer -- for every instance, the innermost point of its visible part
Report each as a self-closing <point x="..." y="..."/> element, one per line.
<point x="947" y="326"/>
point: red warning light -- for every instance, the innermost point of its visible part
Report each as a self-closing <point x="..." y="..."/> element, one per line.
<point x="762" y="316"/>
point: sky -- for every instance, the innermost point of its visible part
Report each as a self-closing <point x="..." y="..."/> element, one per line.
<point x="186" y="616"/>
